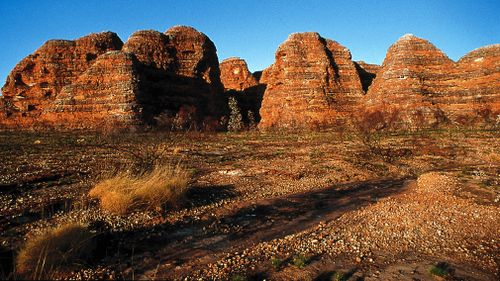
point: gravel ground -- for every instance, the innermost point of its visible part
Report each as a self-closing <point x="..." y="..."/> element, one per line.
<point x="276" y="207"/>
<point x="425" y="220"/>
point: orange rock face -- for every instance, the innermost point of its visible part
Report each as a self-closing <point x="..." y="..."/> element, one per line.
<point x="426" y="88"/>
<point x="37" y="80"/>
<point x="171" y="78"/>
<point x="105" y="96"/>
<point x="194" y="79"/>
<point x="174" y="80"/>
<point x="413" y="72"/>
<point x="152" y="48"/>
<point x="476" y="88"/>
<point x="235" y="75"/>
<point x="196" y="55"/>
<point x="312" y="83"/>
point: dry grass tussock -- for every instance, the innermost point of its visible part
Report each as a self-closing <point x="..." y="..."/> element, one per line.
<point x="124" y="192"/>
<point x="59" y="248"/>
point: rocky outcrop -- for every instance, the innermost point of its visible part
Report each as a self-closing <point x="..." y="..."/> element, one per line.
<point x="412" y="67"/>
<point x="36" y="80"/>
<point x="235" y="75"/>
<point x="151" y="48"/>
<point x="425" y="88"/>
<point x="105" y="96"/>
<point x="196" y="55"/>
<point x="168" y="79"/>
<point x="173" y="80"/>
<point x="313" y="83"/>
<point x="346" y="75"/>
<point x="476" y="88"/>
<point x="414" y="72"/>
<point x="241" y="84"/>
<point x="192" y="93"/>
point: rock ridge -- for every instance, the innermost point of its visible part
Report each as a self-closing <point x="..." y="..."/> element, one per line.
<point x="174" y="80"/>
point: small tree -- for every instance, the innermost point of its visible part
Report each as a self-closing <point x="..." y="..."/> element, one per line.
<point x="369" y="128"/>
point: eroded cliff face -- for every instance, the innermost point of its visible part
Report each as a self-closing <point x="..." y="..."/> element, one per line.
<point x="424" y="88"/>
<point x="105" y="96"/>
<point x="151" y="48"/>
<point x="476" y="88"/>
<point x="173" y="80"/>
<point x="37" y="80"/>
<point x="235" y="75"/>
<point x="414" y="71"/>
<point x="195" y="78"/>
<point x="196" y="55"/>
<point x="313" y="83"/>
<point x="179" y="78"/>
<point x="169" y="79"/>
<point x="241" y="84"/>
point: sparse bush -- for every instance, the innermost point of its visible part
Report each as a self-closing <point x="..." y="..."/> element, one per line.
<point x="300" y="261"/>
<point x="151" y="152"/>
<point x="276" y="263"/>
<point x="59" y="248"/>
<point x="441" y="269"/>
<point x="252" y="121"/>
<point x="185" y="119"/>
<point x="339" y="276"/>
<point x="124" y="192"/>
<point x="368" y="127"/>
<point x="149" y="156"/>
<point x="371" y="127"/>
<point x="238" y="277"/>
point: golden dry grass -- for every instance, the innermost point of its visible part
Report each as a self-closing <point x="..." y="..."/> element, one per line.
<point x="57" y="248"/>
<point x="124" y="192"/>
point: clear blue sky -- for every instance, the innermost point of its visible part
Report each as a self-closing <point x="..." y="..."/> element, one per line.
<point x="254" y="29"/>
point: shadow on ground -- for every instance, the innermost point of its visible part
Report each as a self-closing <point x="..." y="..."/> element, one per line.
<point x="250" y="222"/>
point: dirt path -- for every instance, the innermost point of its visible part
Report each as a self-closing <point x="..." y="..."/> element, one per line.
<point x="181" y="249"/>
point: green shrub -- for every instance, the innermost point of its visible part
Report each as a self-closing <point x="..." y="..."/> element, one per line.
<point x="339" y="276"/>
<point x="238" y="277"/>
<point x="441" y="269"/>
<point x="300" y="261"/>
<point x="276" y="263"/>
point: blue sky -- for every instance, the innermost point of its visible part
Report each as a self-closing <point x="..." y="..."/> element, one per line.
<point x="254" y="29"/>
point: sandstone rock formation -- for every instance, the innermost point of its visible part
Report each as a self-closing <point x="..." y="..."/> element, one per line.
<point x="235" y="75"/>
<point x="170" y="79"/>
<point x="105" y="96"/>
<point x="196" y="55"/>
<point x="193" y="84"/>
<point x="425" y="88"/>
<point x="178" y="78"/>
<point x="413" y="72"/>
<point x="241" y="84"/>
<point x="37" y="79"/>
<point x="313" y="83"/>
<point x="173" y="80"/>
<point x="152" y="48"/>
<point x="477" y="97"/>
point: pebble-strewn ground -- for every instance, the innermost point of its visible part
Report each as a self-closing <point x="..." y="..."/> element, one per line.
<point x="308" y="206"/>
